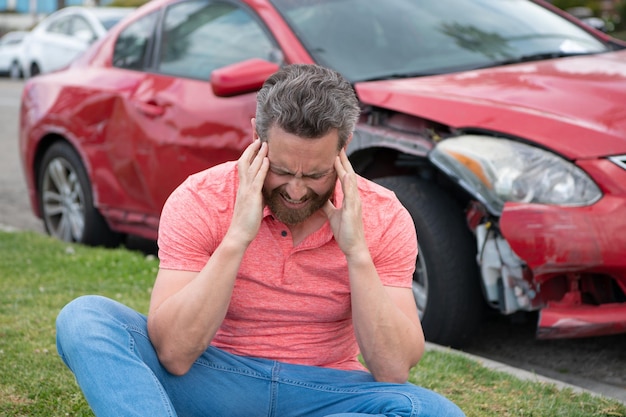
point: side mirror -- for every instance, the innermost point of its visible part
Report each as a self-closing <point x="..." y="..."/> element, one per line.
<point x="243" y="77"/>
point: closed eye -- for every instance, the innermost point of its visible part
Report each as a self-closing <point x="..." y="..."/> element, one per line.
<point x="283" y="173"/>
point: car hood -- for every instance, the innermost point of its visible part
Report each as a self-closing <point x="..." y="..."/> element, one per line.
<point x="574" y="106"/>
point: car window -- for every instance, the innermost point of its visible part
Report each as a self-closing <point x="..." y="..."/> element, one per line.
<point x="110" y="20"/>
<point x="60" y="26"/>
<point x="200" y="36"/>
<point x="131" y="47"/>
<point x="80" y="24"/>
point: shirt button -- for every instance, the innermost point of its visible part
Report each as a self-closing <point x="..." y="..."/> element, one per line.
<point x="283" y="233"/>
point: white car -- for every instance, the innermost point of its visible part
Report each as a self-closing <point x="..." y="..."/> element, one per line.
<point x="10" y="51"/>
<point x="62" y="36"/>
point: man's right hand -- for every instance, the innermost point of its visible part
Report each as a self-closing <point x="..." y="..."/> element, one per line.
<point x="248" y="212"/>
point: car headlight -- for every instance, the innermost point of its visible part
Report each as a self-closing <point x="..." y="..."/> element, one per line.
<point x="498" y="170"/>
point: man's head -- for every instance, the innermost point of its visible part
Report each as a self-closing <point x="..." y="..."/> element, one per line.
<point x="307" y="114"/>
<point x="308" y="101"/>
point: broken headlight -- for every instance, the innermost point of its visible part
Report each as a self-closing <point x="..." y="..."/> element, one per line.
<point x="497" y="171"/>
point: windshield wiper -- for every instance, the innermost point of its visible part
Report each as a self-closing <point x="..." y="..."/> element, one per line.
<point x="533" y="57"/>
<point x="399" y="76"/>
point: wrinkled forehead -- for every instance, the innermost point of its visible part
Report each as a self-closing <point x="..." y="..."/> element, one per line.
<point x="298" y="154"/>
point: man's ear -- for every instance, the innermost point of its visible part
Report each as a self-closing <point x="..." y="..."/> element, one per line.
<point x="255" y="135"/>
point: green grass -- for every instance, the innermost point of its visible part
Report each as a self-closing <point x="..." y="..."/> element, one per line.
<point x="38" y="276"/>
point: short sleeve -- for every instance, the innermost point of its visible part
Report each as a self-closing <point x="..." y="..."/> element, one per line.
<point x="194" y="220"/>
<point x="391" y="236"/>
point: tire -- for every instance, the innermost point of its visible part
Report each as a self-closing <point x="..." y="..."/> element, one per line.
<point x="66" y="200"/>
<point x="15" y="72"/>
<point x="445" y="284"/>
<point x="34" y="70"/>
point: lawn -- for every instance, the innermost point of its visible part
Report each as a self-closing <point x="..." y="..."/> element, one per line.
<point x="39" y="275"/>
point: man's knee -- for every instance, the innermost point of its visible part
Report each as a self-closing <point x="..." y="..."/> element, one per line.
<point x="74" y="318"/>
<point x="79" y="320"/>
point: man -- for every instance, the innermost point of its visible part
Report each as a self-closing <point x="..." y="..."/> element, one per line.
<point x="275" y="272"/>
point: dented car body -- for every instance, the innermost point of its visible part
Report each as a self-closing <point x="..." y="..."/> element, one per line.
<point x="499" y="125"/>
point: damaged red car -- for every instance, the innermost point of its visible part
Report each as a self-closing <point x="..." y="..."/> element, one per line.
<point x="501" y="125"/>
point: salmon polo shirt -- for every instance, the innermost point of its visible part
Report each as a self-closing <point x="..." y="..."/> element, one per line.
<point x="290" y="304"/>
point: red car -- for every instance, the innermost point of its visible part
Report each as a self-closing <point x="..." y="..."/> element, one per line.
<point x="501" y="125"/>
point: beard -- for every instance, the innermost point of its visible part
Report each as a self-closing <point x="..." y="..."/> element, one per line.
<point x="288" y="216"/>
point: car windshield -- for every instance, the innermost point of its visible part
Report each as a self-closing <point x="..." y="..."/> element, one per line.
<point x="367" y="39"/>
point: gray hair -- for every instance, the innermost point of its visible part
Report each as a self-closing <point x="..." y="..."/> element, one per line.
<point x="307" y="101"/>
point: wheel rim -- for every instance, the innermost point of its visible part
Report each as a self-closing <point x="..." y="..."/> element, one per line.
<point x="420" y="284"/>
<point x="15" y="71"/>
<point x="63" y="201"/>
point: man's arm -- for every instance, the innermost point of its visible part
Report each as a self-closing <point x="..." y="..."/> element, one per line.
<point x="187" y="308"/>
<point x="386" y="322"/>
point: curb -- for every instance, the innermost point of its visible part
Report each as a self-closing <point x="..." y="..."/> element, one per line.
<point x="521" y="373"/>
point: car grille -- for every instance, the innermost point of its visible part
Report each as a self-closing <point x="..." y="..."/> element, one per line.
<point x="620" y="160"/>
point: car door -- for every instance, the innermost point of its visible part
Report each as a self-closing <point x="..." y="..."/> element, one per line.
<point x="60" y="45"/>
<point x="175" y="125"/>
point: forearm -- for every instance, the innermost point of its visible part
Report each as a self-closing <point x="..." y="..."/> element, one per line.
<point x="390" y="342"/>
<point x="183" y="325"/>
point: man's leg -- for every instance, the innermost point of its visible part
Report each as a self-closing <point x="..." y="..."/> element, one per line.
<point x="96" y="338"/>
<point x="312" y="391"/>
<point x="106" y="345"/>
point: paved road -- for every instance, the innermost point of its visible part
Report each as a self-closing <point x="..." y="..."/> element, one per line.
<point x="14" y="206"/>
<point x="596" y="364"/>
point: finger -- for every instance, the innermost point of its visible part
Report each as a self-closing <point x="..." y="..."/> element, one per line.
<point x="345" y="162"/>
<point x="328" y="208"/>
<point x="259" y="178"/>
<point x="258" y="158"/>
<point x="341" y="171"/>
<point x="250" y="152"/>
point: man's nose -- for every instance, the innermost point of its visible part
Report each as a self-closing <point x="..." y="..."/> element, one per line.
<point x="296" y="188"/>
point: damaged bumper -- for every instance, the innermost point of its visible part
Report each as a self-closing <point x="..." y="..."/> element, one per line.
<point x="557" y="321"/>
<point x="577" y="262"/>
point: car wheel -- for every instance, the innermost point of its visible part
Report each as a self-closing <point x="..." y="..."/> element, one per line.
<point x="15" y="72"/>
<point x="34" y="70"/>
<point x="66" y="200"/>
<point x="445" y="283"/>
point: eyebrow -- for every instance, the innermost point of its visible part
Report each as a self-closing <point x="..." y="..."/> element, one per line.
<point x="283" y="171"/>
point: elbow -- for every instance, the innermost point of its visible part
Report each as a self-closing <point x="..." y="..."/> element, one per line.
<point x="399" y="376"/>
<point x="174" y="365"/>
<point x="397" y="372"/>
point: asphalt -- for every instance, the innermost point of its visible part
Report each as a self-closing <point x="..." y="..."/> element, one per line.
<point x="595" y="389"/>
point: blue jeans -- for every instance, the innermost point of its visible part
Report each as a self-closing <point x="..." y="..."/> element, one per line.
<point x="106" y="346"/>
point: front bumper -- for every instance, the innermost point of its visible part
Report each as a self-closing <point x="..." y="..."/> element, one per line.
<point x="573" y="244"/>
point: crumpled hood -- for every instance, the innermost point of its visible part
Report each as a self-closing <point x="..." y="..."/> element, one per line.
<point x="575" y="106"/>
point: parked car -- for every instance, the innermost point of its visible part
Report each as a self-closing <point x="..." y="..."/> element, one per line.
<point x="61" y="37"/>
<point x="500" y="125"/>
<point x="10" y="51"/>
